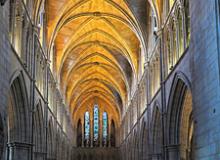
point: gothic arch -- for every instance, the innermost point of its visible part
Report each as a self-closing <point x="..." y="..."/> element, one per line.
<point x="50" y="144"/>
<point x="144" y="141"/>
<point x="180" y="120"/>
<point x="18" y="111"/>
<point x="19" y="118"/>
<point x="156" y="126"/>
<point x="129" y="148"/>
<point x="38" y="132"/>
<point x="79" y="133"/>
<point x="136" y="146"/>
<point x="155" y="7"/>
<point x="123" y="151"/>
<point x="112" y="134"/>
<point x="133" y="145"/>
<point x="127" y="143"/>
<point x="63" y="148"/>
<point x="58" y="144"/>
<point x="36" y="10"/>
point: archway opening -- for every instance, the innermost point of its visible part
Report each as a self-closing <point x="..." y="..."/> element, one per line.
<point x="144" y="142"/>
<point x="38" y="132"/>
<point x="18" y="120"/>
<point x="181" y="123"/>
<point x="79" y="134"/>
<point x="186" y="129"/>
<point x="112" y="139"/>
<point x="157" y="135"/>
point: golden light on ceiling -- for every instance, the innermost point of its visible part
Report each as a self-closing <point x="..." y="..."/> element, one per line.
<point x="97" y="51"/>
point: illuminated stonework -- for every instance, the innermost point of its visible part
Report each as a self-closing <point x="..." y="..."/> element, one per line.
<point x="97" y="51"/>
<point x="109" y="79"/>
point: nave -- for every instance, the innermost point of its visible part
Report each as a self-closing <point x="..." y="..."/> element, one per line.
<point x="109" y="80"/>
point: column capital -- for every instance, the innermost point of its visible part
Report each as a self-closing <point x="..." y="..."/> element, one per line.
<point x="35" y="29"/>
<point x="20" y="149"/>
<point x="20" y="144"/>
<point x="173" y="151"/>
<point x="19" y="18"/>
<point x="155" y="156"/>
<point x="172" y="147"/>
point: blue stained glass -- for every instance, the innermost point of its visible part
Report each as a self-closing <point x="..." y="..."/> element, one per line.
<point x="87" y="126"/>
<point x="105" y="125"/>
<point x="96" y="123"/>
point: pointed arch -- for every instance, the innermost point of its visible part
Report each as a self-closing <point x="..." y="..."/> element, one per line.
<point x="18" y="111"/>
<point x="58" y="143"/>
<point x="79" y="133"/>
<point x="144" y="141"/>
<point x="51" y="144"/>
<point x="135" y="145"/>
<point x="39" y="135"/>
<point x="157" y="132"/>
<point x="180" y="119"/>
<point x="112" y="135"/>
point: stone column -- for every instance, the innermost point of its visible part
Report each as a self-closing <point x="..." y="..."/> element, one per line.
<point x="109" y="132"/>
<point x="173" y="151"/>
<point x="154" y="77"/>
<point x="18" y="34"/>
<point x="156" y="157"/>
<point x="40" y="156"/>
<point x="17" y="150"/>
<point x="25" y="43"/>
<point x="91" y="129"/>
<point x="100" y="129"/>
<point x="83" y="134"/>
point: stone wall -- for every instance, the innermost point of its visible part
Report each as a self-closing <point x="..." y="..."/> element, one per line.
<point x="34" y="130"/>
<point x="4" y="70"/>
<point x="205" y="77"/>
<point x="199" y="69"/>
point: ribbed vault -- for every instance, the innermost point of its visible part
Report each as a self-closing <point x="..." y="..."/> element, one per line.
<point x="96" y="47"/>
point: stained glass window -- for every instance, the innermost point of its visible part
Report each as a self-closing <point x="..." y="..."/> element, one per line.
<point x="96" y="123"/>
<point x="105" y="126"/>
<point x="87" y="126"/>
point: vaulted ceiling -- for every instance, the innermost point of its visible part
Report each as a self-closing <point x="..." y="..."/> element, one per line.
<point x="97" y="47"/>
